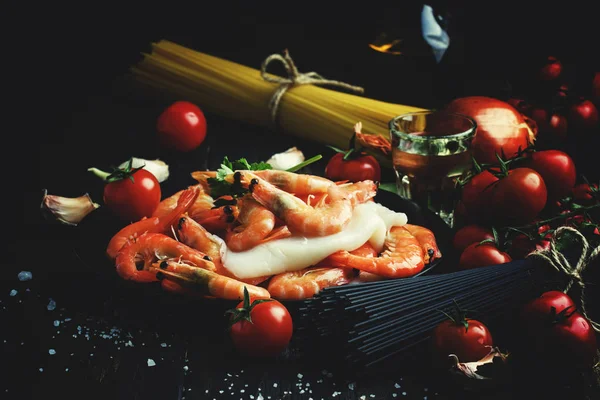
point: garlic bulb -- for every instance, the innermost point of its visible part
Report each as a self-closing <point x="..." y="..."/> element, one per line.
<point x="288" y="159"/>
<point x="156" y="167"/>
<point x="67" y="210"/>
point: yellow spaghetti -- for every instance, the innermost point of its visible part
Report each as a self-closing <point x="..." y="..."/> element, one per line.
<point x="239" y="92"/>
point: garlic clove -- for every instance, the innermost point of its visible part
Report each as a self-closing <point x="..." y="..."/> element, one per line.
<point x="492" y="363"/>
<point x="288" y="159"/>
<point x="157" y="167"/>
<point x="68" y="210"/>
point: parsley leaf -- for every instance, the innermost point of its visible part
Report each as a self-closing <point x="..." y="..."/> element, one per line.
<point x="220" y="187"/>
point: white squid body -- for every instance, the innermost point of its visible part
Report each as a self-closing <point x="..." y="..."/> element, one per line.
<point x="370" y="222"/>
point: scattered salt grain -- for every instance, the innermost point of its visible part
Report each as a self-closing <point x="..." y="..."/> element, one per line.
<point x="397" y="386"/>
<point x="163" y="345"/>
<point x="363" y="397"/>
<point x="185" y="367"/>
<point x="67" y="319"/>
<point x="251" y="397"/>
<point x="51" y="305"/>
<point x="41" y="369"/>
<point x="52" y="352"/>
<point x="394" y="394"/>
<point x="371" y="395"/>
<point x="151" y="362"/>
<point x="220" y="391"/>
<point x="274" y="385"/>
<point x="403" y="393"/>
<point x="242" y="390"/>
<point x="66" y="369"/>
<point x="13" y="293"/>
<point x="56" y="322"/>
<point x="259" y="397"/>
<point x="300" y="376"/>
<point x="25" y="276"/>
<point x="351" y="386"/>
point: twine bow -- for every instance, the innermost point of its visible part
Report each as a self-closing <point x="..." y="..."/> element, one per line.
<point x="295" y="78"/>
<point x="574" y="273"/>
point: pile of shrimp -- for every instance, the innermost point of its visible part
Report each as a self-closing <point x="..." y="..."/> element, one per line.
<point x="188" y="242"/>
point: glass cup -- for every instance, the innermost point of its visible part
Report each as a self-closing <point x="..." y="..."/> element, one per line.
<point x="431" y="150"/>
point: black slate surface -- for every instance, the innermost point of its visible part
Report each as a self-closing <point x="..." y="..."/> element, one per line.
<point x="72" y="112"/>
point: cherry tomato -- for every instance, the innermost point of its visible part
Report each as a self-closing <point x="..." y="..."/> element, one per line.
<point x="181" y="126"/>
<point x="556" y="332"/>
<point x="482" y="255"/>
<point x="582" y="193"/>
<point x="583" y="114"/>
<point x="541" y="116"/>
<point x="558" y="126"/>
<point x="268" y="334"/>
<point x="357" y="168"/>
<point x="557" y="169"/>
<point x="551" y="70"/>
<point x="470" y="234"/>
<point x="518" y="198"/>
<point x="475" y="196"/>
<point x="521" y="245"/>
<point x="132" y="198"/>
<point x="469" y="339"/>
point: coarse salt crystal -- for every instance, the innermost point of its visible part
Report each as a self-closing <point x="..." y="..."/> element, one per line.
<point x="351" y="386"/>
<point x="51" y="305"/>
<point x="397" y="386"/>
<point x="56" y="322"/>
<point x="403" y="393"/>
<point x="151" y="362"/>
<point x="25" y="276"/>
<point x="394" y="394"/>
<point x="274" y="385"/>
<point x="66" y="369"/>
<point x="259" y="397"/>
<point x="185" y="367"/>
<point x="52" y="352"/>
<point x="13" y="293"/>
<point x="41" y="369"/>
<point x="299" y="376"/>
<point x="163" y="345"/>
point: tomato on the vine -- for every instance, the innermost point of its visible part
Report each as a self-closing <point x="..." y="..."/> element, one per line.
<point x="517" y="198"/>
<point x="557" y="169"/>
<point x="354" y="167"/>
<point x="181" y="126"/>
<point x="478" y="255"/>
<point x="583" y="192"/>
<point x="521" y="245"/>
<point x="583" y="114"/>
<point x="476" y="195"/>
<point x="469" y="234"/>
<point x="130" y="193"/>
<point x="469" y="339"/>
<point x="260" y="327"/>
<point x="557" y="332"/>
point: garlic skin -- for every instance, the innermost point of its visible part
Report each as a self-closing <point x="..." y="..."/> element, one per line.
<point x="156" y="167"/>
<point x="288" y="159"/>
<point x="68" y="210"/>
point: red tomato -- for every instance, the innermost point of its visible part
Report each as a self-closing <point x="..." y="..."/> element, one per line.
<point x="557" y="332"/>
<point x="470" y="340"/>
<point x="357" y="168"/>
<point x="583" y="114"/>
<point x="542" y="118"/>
<point x="500" y="127"/>
<point x="181" y="126"/>
<point x="551" y="70"/>
<point x="522" y="245"/>
<point x="582" y="193"/>
<point x="470" y="234"/>
<point x="518" y="198"/>
<point x="268" y="334"/>
<point x="558" y="126"/>
<point x="135" y="198"/>
<point x="482" y="255"/>
<point x="557" y="170"/>
<point x="475" y="196"/>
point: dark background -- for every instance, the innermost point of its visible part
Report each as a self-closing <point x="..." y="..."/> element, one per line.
<point x="67" y="109"/>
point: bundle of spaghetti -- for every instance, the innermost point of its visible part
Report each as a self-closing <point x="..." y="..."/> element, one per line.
<point x="239" y="92"/>
<point x="368" y="323"/>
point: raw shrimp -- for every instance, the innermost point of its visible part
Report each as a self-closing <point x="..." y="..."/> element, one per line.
<point x="256" y="223"/>
<point x="366" y="250"/>
<point x="427" y="241"/>
<point x="202" y="202"/>
<point x="307" y="282"/>
<point x="135" y="258"/>
<point x="298" y="184"/>
<point x="152" y="224"/>
<point x="402" y="256"/>
<point x="216" y="220"/>
<point x="206" y="282"/>
<point x="197" y="237"/>
<point x="300" y="218"/>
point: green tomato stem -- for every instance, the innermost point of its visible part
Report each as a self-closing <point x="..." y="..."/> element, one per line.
<point x="99" y="173"/>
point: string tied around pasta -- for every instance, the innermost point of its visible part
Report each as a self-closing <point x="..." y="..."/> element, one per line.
<point x="574" y="274"/>
<point x="295" y="78"/>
